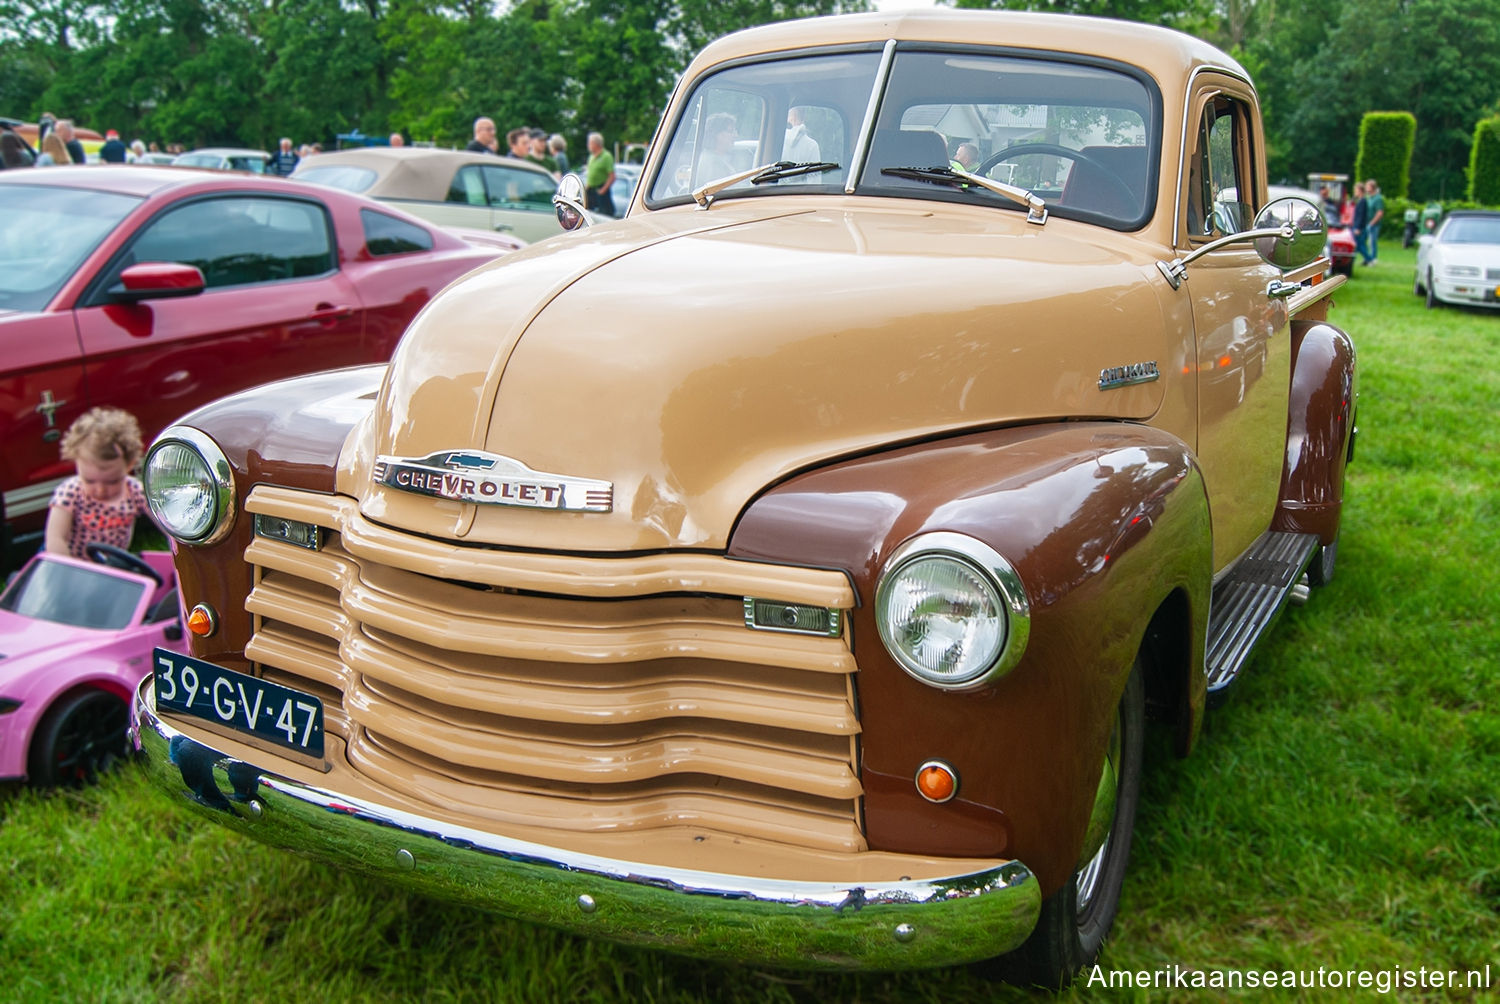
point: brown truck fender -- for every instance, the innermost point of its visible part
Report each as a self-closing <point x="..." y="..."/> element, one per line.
<point x="1320" y="430"/>
<point x="1107" y="525"/>
<point x="287" y="433"/>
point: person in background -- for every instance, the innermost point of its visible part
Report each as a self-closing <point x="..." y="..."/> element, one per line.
<point x="114" y="150"/>
<point x="598" y="176"/>
<point x="965" y="158"/>
<point x="518" y="143"/>
<point x="12" y="151"/>
<point x="100" y="503"/>
<point x="540" y="155"/>
<point x="137" y="152"/>
<point x="484" y="136"/>
<point x="1374" y="213"/>
<point x="799" y="147"/>
<point x="284" y="161"/>
<point x="1357" y="222"/>
<point x="54" y="152"/>
<point x="397" y="139"/>
<point x="559" y="148"/>
<point x="70" y="140"/>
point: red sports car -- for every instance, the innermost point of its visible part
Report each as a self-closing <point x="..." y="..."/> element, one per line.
<point x="159" y="289"/>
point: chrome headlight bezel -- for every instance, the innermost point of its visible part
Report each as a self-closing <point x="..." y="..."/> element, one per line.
<point x="1003" y="583"/>
<point x="217" y="487"/>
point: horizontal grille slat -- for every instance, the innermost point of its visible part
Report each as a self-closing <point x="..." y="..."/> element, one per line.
<point x="573" y="693"/>
<point x="635" y="755"/>
<point x="691" y="800"/>
<point x="591" y="693"/>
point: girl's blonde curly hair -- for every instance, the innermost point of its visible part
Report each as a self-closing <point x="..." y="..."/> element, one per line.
<point x="104" y="434"/>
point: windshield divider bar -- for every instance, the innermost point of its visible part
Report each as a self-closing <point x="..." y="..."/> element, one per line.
<point x="867" y="128"/>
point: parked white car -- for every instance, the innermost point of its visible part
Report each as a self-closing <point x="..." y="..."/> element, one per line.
<point x="225" y="158"/>
<point x="1461" y="262"/>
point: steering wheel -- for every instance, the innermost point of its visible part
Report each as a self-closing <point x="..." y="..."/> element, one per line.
<point x="1022" y="149"/>
<point x="118" y="557"/>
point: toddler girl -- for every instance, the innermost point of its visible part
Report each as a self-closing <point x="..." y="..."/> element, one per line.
<point x="99" y="505"/>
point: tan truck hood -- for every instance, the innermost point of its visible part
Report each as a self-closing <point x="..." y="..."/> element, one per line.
<point x="692" y="358"/>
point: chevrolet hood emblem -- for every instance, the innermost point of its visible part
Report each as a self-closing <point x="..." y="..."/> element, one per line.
<point x="491" y="479"/>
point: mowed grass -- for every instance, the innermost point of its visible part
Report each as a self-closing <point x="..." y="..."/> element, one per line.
<point x="1342" y="810"/>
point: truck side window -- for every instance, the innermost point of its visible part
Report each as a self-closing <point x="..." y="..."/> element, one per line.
<point x="1219" y="182"/>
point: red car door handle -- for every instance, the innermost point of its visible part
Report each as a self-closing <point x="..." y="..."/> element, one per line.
<point x="328" y="312"/>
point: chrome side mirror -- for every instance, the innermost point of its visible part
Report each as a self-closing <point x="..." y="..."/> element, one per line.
<point x="1288" y="233"/>
<point x="569" y="203"/>
<point x="1309" y="233"/>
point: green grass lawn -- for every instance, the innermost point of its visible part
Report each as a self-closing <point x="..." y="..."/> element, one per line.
<point x="1342" y="811"/>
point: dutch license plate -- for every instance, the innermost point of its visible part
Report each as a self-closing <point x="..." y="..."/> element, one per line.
<point x="246" y="704"/>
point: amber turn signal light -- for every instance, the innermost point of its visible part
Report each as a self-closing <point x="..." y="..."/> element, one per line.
<point x="202" y="621"/>
<point x="937" y="781"/>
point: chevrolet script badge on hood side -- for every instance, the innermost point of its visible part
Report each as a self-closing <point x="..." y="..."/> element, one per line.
<point x="490" y="479"/>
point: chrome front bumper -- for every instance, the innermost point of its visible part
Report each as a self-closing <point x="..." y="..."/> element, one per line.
<point x="794" y="924"/>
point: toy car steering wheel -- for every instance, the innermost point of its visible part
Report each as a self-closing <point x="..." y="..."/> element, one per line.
<point x="118" y="557"/>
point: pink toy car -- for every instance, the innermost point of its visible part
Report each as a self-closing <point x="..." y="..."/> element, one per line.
<point x="75" y="642"/>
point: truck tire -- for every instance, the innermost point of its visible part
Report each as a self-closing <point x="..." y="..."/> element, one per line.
<point x="1076" y="918"/>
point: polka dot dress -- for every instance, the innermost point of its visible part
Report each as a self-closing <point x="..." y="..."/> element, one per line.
<point x="100" y="522"/>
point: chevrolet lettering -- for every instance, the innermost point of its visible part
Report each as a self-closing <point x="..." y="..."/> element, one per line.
<point x="490" y="479"/>
<point x="857" y="673"/>
<point x="1124" y="376"/>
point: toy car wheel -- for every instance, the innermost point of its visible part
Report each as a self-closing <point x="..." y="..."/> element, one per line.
<point x="1075" y="919"/>
<point x="81" y="736"/>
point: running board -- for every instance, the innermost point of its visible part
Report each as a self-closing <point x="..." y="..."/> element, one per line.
<point x="1247" y="601"/>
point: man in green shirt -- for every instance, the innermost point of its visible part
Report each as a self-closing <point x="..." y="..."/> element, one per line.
<point x="598" y="176"/>
<point x="1374" y="211"/>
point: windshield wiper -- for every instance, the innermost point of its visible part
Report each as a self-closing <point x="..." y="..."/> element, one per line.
<point x="774" y="171"/>
<point x="1036" y="209"/>
<point x="789" y="169"/>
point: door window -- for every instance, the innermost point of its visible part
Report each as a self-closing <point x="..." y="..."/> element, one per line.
<point x="467" y="186"/>
<point x="509" y="188"/>
<point x="239" y="241"/>
<point x="1220" y="187"/>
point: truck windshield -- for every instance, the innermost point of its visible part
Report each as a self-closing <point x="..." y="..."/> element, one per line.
<point x="805" y="110"/>
<point x="1082" y="136"/>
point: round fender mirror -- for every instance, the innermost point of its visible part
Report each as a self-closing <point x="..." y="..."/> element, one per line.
<point x="569" y="203"/>
<point x="1308" y="237"/>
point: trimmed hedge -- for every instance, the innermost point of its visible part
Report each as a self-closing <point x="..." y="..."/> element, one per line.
<point x="1385" y="145"/>
<point x="1484" y="163"/>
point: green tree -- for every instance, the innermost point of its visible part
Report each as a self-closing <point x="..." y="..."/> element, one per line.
<point x="1484" y="163"/>
<point x="325" y="69"/>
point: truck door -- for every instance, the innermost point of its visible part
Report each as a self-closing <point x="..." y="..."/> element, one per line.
<point x="1243" y="350"/>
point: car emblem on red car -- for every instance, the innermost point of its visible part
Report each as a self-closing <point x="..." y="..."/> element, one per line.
<point x="491" y="479"/>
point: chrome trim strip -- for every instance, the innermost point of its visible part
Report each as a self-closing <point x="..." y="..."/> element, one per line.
<point x="30" y="499"/>
<point x="867" y="127"/>
<point x="900" y="924"/>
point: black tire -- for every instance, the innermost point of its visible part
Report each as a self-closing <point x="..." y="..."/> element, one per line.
<point x="81" y="737"/>
<point x="1076" y="918"/>
<point x="1432" y="301"/>
<point x="1320" y="569"/>
<point x="1416" y="284"/>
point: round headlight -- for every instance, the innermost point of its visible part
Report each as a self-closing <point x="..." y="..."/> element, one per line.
<point x="189" y="486"/>
<point x="951" y="611"/>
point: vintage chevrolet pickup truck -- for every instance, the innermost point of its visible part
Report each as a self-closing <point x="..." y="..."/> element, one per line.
<point x="786" y="571"/>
